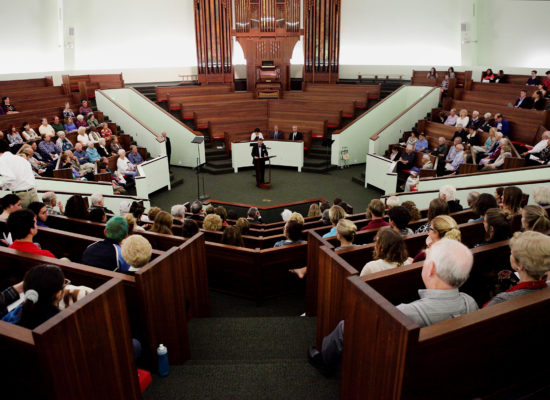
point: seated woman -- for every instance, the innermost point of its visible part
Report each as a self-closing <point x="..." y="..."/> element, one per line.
<point x="222" y="212"/>
<point x="106" y="132"/>
<point x="190" y="228"/>
<point x="292" y="232"/>
<point x="484" y="202"/>
<point x="163" y="223"/>
<point x="345" y="233"/>
<point x="212" y="222"/>
<point x="7" y="107"/>
<point x="314" y="210"/>
<point x="412" y="209"/>
<point x="92" y="120"/>
<point x="67" y="112"/>
<point x="489" y="143"/>
<point x="124" y="166"/>
<point x="14" y="139"/>
<point x="505" y="152"/>
<point x="463" y="118"/>
<point x="535" y="218"/>
<point x="136" y="250"/>
<point x="92" y="152"/>
<point x="432" y="74"/>
<point x="530" y="259"/>
<point x="244" y="225"/>
<point x="437" y="207"/>
<point x="80" y="121"/>
<point x="389" y="252"/>
<point x="43" y="288"/>
<point x="97" y="214"/>
<point x="102" y="148"/>
<point x="336" y="213"/>
<point x="488" y="76"/>
<point x="232" y="236"/>
<point x="498" y="226"/>
<point x="76" y="207"/>
<point x="442" y="226"/>
<point x="512" y="196"/>
<point x="412" y="139"/>
<point x="94" y="136"/>
<point x="39" y="209"/>
<point x="70" y="126"/>
<point x="62" y="142"/>
<point x="28" y="133"/>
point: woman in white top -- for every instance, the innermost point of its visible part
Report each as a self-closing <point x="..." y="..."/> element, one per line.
<point x="83" y="137"/>
<point x="463" y="118"/>
<point x="389" y="252"/>
<point x="28" y="133"/>
<point x="124" y="166"/>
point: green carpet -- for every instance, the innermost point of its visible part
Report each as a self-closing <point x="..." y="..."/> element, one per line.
<point x="288" y="185"/>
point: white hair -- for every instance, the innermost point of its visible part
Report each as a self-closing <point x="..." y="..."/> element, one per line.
<point x="96" y="199"/>
<point x="425" y="157"/>
<point x="442" y="139"/>
<point x="102" y="141"/>
<point x="393" y="201"/>
<point x="546" y="134"/>
<point x="48" y="198"/>
<point x="499" y="135"/>
<point x="475" y="112"/>
<point x="59" y="133"/>
<point x="124" y="207"/>
<point x="285" y="215"/>
<point x="80" y="117"/>
<point x="453" y="261"/>
<point x="121" y="152"/>
<point x="488" y="115"/>
<point x="472" y="196"/>
<point x="460" y="147"/>
<point x="177" y="210"/>
<point x="449" y="191"/>
<point x="541" y="194"/>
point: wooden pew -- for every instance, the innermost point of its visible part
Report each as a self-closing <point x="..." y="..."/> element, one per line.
<point x="337" y="89"/>
<point x="507" y="89"/>
<point x="380" y="338"/>
<point x="86" y="85"/>
<point x="18" y="94"/>
<point x="162" y="92"/>
<point x="187" y="103"/>
<point x="92" y="335"/>
<point x="16" y="84"/>
<point x="253" y="273"/>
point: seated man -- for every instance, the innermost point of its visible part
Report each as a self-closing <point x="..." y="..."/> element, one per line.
<point x="85" y="109"/>
<point x="98" y="202"/>
<point x="406" y="161"/>
<point x="22" y="226"/>
<point x="50" y="200"/>
<point x="46" y="128"/>
<point x="295" y="135"/>
<point x="523" y="101"/>
<point x="533" y="79"/>
<point x="487" y="123"/>
<point x="475" y="121"/>
<point x="540" y="146"/>
<point x="277" y="134"/>
<point x="452" y="151"/>
<point x="452" y="165"/>
<point x="375" y="212"/>
<point x="106" y="254"/>
<point x="502" y="125"/>
<point x="447" y="266"/>
<point x="421" y="144"/>
<point x="57" y="125"/>
<point x="451" y="118"/>
<point x="253" y="216"/>
<point x="80" y="154"/>
<point x="134" y="156"/>
<point x="461" y="133"/>
<point x="197" y="211"/>
<point x="48" y="149"/>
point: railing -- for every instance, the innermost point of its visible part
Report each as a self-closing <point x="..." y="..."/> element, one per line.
<point x="383" y="123"/>
<point x="153" y="176"/>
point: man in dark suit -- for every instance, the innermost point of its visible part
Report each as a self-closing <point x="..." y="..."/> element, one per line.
<point x="168" y="147"/>
<point x="523" y="101"/>
<point x="295" y="135"/>
<point x="258" y="151"/>
<point x="277" y="134"/>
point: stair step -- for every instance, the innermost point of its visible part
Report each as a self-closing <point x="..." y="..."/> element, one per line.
<point x="315" y="162"/>
<point x="216" y="157"/>
<point x="226" y="163"/>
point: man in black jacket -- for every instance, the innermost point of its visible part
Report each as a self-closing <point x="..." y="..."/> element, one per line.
<point x="258" y="152"/>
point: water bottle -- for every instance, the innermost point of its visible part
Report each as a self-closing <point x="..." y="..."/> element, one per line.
<point x="164" y="367"/>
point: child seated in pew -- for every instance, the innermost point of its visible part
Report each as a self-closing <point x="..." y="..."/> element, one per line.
<point x="389" y="252"/>
<point x="446" y="268"/>
<point x="530" y="260"/>
<point x="136" y="250"/>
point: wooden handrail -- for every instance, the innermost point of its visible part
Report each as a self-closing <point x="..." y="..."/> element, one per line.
<point x="242" y="205"/>
<point x="130" y="114"/>
<point x="377" y="134"/>
<point x="136" y="198"/>
<point x="151" y="160"/>
<point x="74" y="181"/>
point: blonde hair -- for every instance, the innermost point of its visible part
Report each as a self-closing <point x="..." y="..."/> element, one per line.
<point x="136" y="250"/>
<point x="314" y="210"/>
<point x="81" y="130"/>
<point x="446" y="227"/>
<point x="532" y="251"/>
<point x="212" y="222"/>
<point x="376" y="208"/>
<point x="296" y="216"/>
<point x="152" y="214"/>
<point x="163" y="223"/>
<point x="536" y="218"/>
<point x="463" y="111"/>
<point x="131" y="220"/>
<point x="336" y="213"/>
<point x="346" y="229"/>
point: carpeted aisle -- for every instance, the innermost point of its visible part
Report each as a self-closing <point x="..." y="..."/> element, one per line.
<point x="247" y="356"/>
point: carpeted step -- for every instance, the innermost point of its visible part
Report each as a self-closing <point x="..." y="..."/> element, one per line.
<point x="282" y="379"/>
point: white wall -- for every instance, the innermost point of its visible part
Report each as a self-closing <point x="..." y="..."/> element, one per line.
<point x="30" y="38"/>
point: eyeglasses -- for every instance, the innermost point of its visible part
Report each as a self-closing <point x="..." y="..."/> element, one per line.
<point x="66" y="282"/>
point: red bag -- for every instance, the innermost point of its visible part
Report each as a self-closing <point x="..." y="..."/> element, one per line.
<point x="144" y="378"/>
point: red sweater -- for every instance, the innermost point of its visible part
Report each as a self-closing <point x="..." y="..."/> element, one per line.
<point x="374" y="224"/>
<point x="29" y="247"/>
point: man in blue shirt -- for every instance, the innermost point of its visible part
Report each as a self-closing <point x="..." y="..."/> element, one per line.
<point x="502" y="125"/>
<point x="421" y="144"/>
<point x="134" y="157"/>
<point x="48" y="149"/>
<point x="80" y="154"/>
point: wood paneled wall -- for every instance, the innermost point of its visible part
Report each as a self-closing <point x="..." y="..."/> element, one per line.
<point x="214" y="43"/>
<point x="322" y="40"/>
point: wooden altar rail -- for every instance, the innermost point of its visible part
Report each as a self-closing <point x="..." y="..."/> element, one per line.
<point x="17" y="84"/>
<point x="386" y="355"/>
<point x="162" y="92"/>
<point x="92" y="336"/>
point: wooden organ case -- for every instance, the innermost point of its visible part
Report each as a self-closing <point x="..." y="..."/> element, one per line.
<point x="267" y="31"/>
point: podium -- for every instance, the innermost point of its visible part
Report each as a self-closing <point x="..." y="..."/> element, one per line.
<point x="260" y="161"/>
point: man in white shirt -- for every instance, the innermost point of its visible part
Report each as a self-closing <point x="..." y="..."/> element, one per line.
<point x="256" y="135"/>
<point x="45" y="128"/>
<point x="17" y="176"/>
